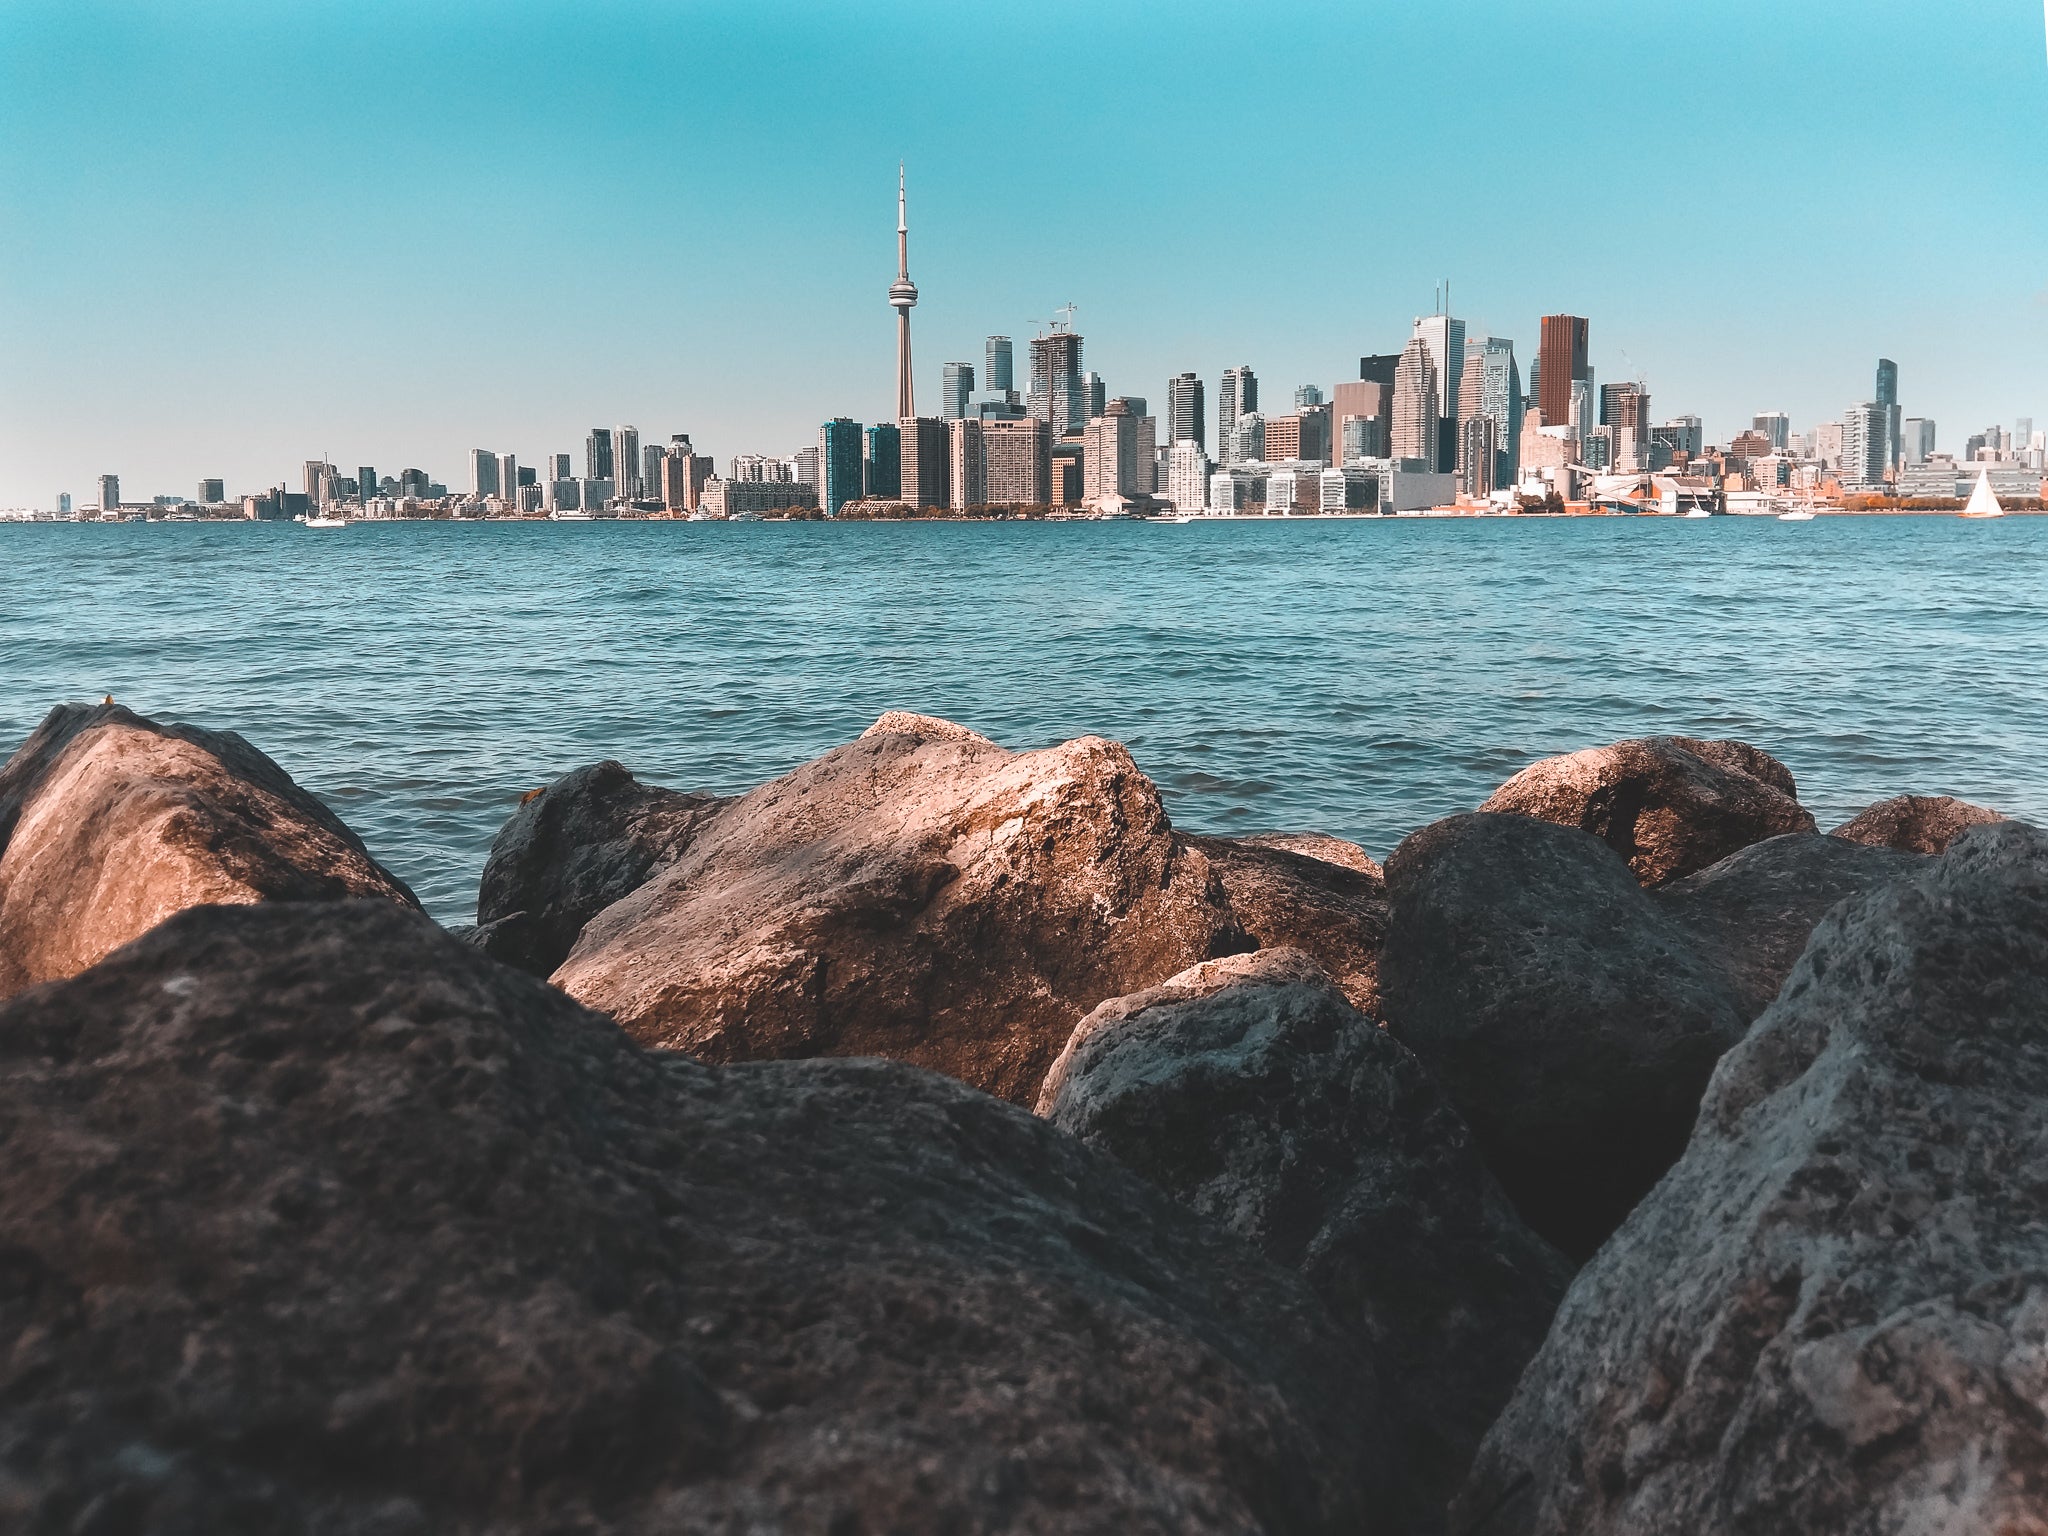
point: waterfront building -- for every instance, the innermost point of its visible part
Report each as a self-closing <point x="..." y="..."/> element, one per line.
<point x="1236" y="488"/>
<point x="997" y="374"/>
<point x="966" y="464"/>
<point x="1187" y="476"/>
<point x="1361" y="437"/>
<point x="803" y="466"/>
<point x="1827" y="444"/>
<point x="1016" y="461"/>
<point x="1248" y="437"/>
<point x="1416" y="415"/>
<point x="1776" y="428"/>
<point x="882" y="470"/>
<point x="924" y="451"/>
<point x="841" y="474"/>
<point x="597" y="454"/>
<point x="110" y="493"/>
<point x="626" y="460"/>
<point x="730" y="498"/>
<point x="559" y="466"/>
<point x="1114" y="458"/>
<point x="756" y="468"/>
<point x="64" y="504"/>
<point x="956" y="384"/>
<point x="366" y="481"/>
<point x="1356" y="487"/>
<point x="1478" y="455"/>
<point x="1067" y="480"/>
<point x="1865" y="436"/>
<point x="902" y="298"/>
<point x="213" y="492"/>
<point x="595" y="492"/>
<point x="1917" y="440"/>
<point x="508" y="476"/>
<point x="1294" y="486"/>
<point x="652" y="456"/>
<point x="1236" y="396"/>
<point x="1184" y="414"/>
<point x="1056" y="395"/>
<point x="1888" y="400"/>
<point x="565" y="494"/>
<point x="1561" y="362"/>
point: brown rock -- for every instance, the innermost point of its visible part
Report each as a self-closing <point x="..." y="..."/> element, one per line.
<point x="313" y="1219"/>
<point x="1915" y="823"/>
<point x="919" y="894"/>
<point x="109" y="823"/>
<point x="1285" y="897"/>
<point x="1317" y="845"/>
<point x="586" y="840"/>
<point x="1669" y="805"/>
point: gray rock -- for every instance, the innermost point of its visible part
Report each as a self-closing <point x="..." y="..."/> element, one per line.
<point x="1832" y="1315"/>
<point x="571" y="850"/>
<point x="109" y="823"/>
<point x="1572" y="1022"/>
<point x="314" y="1219"/>
<point x="1252" y="1091"/>
<point x="1322" y="903"/>
<point x="1915" y="823"/>
<point x="1669" y="805"/>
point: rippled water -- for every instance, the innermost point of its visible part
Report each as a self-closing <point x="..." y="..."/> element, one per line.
<point x="1361" y="678"/>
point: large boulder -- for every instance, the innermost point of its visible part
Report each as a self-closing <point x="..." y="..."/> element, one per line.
<point x="1669" y="805"/>
<point x="919" y="894"/>
<point x="1573" y="1023"/>
<point x="1915" y="823"/>
<point x="1752" y="913"/>
<point x="571" y="850"/>
<point x="315" y="1219"/>
<point x="1832" y="1315"/>
<point x="1254" y="1093"/>
<point x="109" y="823"/>
<point x="1330" y="902"/>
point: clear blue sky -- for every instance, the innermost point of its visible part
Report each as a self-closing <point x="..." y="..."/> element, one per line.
<point x="234" y="236"/>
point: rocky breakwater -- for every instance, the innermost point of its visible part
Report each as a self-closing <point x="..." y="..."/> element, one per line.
<point x="1832" y="1315"/>
<point x="110" y="823"/>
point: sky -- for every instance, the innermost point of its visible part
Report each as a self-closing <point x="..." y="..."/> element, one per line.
<point x="235" y="236"/>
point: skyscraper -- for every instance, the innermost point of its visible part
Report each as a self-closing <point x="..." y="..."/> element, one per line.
<point x="1917" y="443"/>
<point x="626" y="460"/>
<point x="110" y="493"/>
<point x="483" y="473"/>
<point x="840" y="469"/>
<point x="1379" y="368"/>
<point x="1056" y="395"/>
<point x="508" y="476"/>
<point x="957" y="383"/>
<point x="925" y="461"/>
<point x="996" y="373"/>
<point x="1561" y="362"/>
<point x="1864" y="437"/>
<point x="214" y="492"/>
<point x="1445" y="339"/>
<point x="1368" y="404"/>
<point x="882" y="471"/>
<point x="966" y="464"/>
<point x="597" y="454"/>
<point x="1626" y="408"/>
<point x="1776" y="428"/>
<point x="1113" y="463"/>
<point x="1307" y="395"/>
<point x="1888" y="397"/>
<point x="1094" y="394"/>
<point x="1017" y="459"/>
<point x="1237" y="395"/>
<point x="1417" y="418"/>
<point x="1184" y="414"/>
<point x="1491" y="386"/>
<point x="902" y="295"/>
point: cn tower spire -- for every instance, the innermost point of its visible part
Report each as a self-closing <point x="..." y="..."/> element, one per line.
<point x="902" y="295"/>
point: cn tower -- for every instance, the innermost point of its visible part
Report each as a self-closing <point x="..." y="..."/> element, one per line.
<point x="903" y="294"/>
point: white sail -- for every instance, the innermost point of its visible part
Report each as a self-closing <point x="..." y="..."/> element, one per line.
<point x="1983" y="502"/>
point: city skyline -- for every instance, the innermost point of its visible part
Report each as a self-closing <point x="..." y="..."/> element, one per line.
<point x="167" y="279"/>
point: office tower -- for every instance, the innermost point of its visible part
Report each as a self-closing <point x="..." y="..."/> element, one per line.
<point x="561" y="469"/>
<point x="1775" y="426"/>
<point x="1248" y="437"/>
<point x="882" y="472"/>
<point x="508" y="476"/>
<point x="1379" y="368"/>
<point x="313" y="474"/>
<point x="1366" y="400"/>
<point x="651" y="457"/>
<point x="1235" y="396"/>
<point x="213" y="492"/>
<point x="1865" y="432"/>
<point x="924" y="451"/>
<point x="1184" y="413"/>
<point x="64" y="504"/>
<point x="1478" y="455"/>
<point x="1626" y="408"/>
<point x="902" y="296"/>
<point x="966" y="464"/>
<point x="805" y="466"/>
<point x="841" y="473"/>
<point x="1361" y="437"/>
<point x="1917" y="439"/>
<point x="997" y="375"/>
<point x="483" y="472"/>
<point x="1094" y="393"/>
<point x="2023" y="432"/>
<point x="1306" y="395"/>
<point x="110" y="493"/>
<point x="1561" y="361"/>
<point x="1417" y="419"/>
<point x="1017" y="461"/>
<point x="1112" y="461"/>
<point x="596" y="493"/>
<point x="1056" y="394"/>
<point x="597" y="454"/>
<point x="1187" y="476"/>
<point x="956" y="384"/>
<point x="1283" y="438"/>
<point x="1445" y="339"/>
<point x="626" y="460"/>
<point x="1490" y="385"/>
<point x="1888" y="397"/>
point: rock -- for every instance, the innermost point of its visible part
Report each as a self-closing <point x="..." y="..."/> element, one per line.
<point x="1669" y="805"/>
<point x="109" y="823"/>
<point x="1915" y="823"/>
<point x="1572" y="1022"/>
<point x="1832" y="1315"/>
<point x="1250" y="1090"/>
<point x="919" y="894"/>
<point x="1317" y="845"/>
<point x="1752" y="913"/>
<point x="314" y="1219"/>
<point x="1289" y="899"/>
<point x="588" y="839"/>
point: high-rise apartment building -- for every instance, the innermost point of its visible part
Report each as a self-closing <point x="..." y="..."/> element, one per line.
<point x="1307" y="396"/>
<point x="1626" y="408"/>
<point x="1187" y="476"/>
<point x="483" y="473"/>
<point x="1478" y="455"/>
<point x="213" y="492"/>
<point x="1056" y="395"/>
<point x="508" y="476"/>
<point x="1184" y="414"/>
<point x="925" y="454"/>
<point x="110" y="493"/>
<point x="882" y="471"/>
<point x="805" y="466"/>
<point x="1917" y="440"/>
<point x="1248" y="437"/>
<point x="651" y="457"/>
<point x="1888" y="397"/>
<point x="1865" y="437"/>
<point x="956" y="383"/>
<point x="997" y="374"/>
<point x="966" y="464"/>
<point x="1236" y="396"/>
<point x="1113" y="457"/>
<point x="684" y="474"/>
<point x="1283" y="438"/>
<point x="841" y="472"/>
<point x="1561" y="362"/>
<point x="1776" y="427"/>
<point x="597" y="454"/>
<point x="1016" y="461"/>
<point x="626" y="460"/>
<point x="1417" y="417"/>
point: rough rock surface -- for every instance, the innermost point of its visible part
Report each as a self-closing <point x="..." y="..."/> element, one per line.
<point x="1669" y="805"/>
<point x="1752" y="913"/>
<point x="1832" y="1316"/>
<point x="1572" y="1022"/>
<point x="1317" y="845"/>
<point x="109" y="823"/>
<point x="591" y="837"/>
<point x="1253" y="1092"/>
<point x="1915" y="823"/>
<point x="314" y="1219"/>
<point x="1286" y="898"/>
<point x="919" y="894"/>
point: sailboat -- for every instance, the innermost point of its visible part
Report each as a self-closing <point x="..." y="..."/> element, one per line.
<point x="1983" y="502"/>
